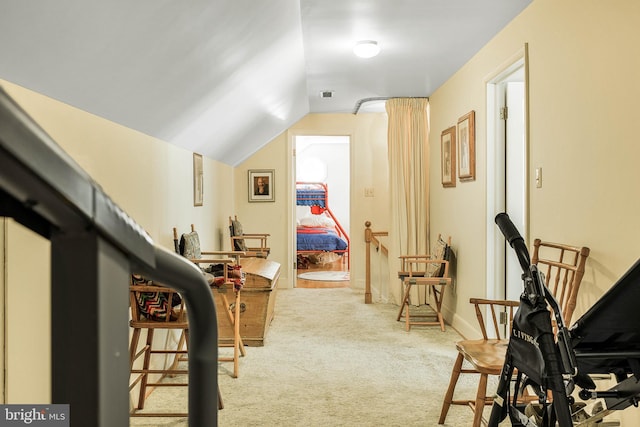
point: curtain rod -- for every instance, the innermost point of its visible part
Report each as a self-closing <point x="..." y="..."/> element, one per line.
<point x="381" y="98"/>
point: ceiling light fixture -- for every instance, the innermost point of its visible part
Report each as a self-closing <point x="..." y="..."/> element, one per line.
<point x="366" y="48"/>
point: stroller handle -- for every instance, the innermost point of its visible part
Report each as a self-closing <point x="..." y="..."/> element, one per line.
<point x="557" y="358"/>
<point x="514" y="238"/>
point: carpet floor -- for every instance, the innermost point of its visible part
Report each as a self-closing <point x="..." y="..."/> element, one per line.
<point x="331" y="360"/>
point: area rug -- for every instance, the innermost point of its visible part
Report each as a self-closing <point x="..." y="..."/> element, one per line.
<point x="325" y="276"/>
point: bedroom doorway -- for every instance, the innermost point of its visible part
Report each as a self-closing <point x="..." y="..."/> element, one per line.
<point x="322" y="211"/>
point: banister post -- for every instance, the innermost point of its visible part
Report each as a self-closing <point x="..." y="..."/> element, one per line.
<point x="367" y="239"/>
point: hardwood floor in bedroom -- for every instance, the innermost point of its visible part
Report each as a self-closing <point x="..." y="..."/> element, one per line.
<point x="335" y="266"/>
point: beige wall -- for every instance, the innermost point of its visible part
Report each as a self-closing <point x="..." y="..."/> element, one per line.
<point x="368" y="134"/>
<point x="150" y="179"/>
<point x="583" y="90"/>
<point x="582" y="95"/>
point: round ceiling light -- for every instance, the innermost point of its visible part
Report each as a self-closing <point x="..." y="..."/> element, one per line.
<point x="366" y="48"/>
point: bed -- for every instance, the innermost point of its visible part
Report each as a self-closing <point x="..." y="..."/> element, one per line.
<point x="318" y="230"/>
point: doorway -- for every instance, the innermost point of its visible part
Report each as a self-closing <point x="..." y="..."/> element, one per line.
<point x="322" y="164"/>
<point x="507" y="172"/>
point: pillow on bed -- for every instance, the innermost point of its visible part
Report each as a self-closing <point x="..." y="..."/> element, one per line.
<point x="317" y="221"/>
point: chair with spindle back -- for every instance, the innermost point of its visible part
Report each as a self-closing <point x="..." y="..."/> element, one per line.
<point x="563" y="268"/>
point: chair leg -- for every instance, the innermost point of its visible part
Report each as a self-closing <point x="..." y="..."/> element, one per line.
<point x="437" y="297"/>
<point x="405" y="302"/>
<point x="480" y="400"/>
<point x="407" y="315"/>
<point x="448" y="397"/>
<point x="145" y="366"/>
<point x="177" y="357"/>
<point x="133" y="348"/>
<point x="237" y="325"/>
<point x="233" y="316"/>
<point x="220" y="402"/>
<point x="236" y="336"/>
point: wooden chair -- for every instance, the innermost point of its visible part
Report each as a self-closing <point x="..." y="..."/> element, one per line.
<point x="431" y="271"/>
<point x="188" y="245"/>
<point x="238" y="240"/>
<point x="563" y="268"/>
<point x="486" y="355"/>
<point x="152" y="307"/>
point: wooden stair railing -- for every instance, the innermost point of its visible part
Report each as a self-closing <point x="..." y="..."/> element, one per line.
<point x="370" y="237"/>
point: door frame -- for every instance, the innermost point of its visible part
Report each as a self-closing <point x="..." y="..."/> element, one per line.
<point x="495" y="243"/>
<point x="292" y="134"/>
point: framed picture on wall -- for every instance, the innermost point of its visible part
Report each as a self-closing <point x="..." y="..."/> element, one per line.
<point x="261" y="185"/>
<point x="448" y="156"/>
<point x="467" y="147"/>
<point x="198" y="180"/>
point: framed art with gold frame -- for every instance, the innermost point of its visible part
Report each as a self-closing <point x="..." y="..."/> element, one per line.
<point x="448" y="157"/>
<point x="467" y="147"/>
<point x="198" y="180"/>
<point x="261" y="185"/>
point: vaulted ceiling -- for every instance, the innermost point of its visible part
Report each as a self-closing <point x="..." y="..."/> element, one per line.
<point x="224" y="77"/>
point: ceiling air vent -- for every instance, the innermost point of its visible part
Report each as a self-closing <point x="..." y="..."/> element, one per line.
<point x="326" y="94"/>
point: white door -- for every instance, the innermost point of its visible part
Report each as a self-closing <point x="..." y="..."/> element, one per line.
<point x="515" y="179"/>
<point x="506" y="176"/>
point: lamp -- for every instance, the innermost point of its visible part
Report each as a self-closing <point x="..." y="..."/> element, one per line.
<point x="366" y="48"/>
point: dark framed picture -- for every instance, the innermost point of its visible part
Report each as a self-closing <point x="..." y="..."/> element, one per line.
<point x="467" y="147"/>
<point x="198" y="180"/>
<point x="448" y="156"/>
<point x="261" y="185"/>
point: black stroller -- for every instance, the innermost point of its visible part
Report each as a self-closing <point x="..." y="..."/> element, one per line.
<point x="554" y="360"/>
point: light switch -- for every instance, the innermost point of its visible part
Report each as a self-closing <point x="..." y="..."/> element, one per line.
<point x="539" y="177"/>
<point x="368" y="192"/>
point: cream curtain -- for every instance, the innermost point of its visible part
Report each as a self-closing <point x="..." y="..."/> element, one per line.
<point x="408" y="148"/>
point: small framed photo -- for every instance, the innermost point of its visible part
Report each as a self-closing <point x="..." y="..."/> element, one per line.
<point x="467" y="147"/>
<point x="261" y="185"/>
<point x="198" y="180"/>
<point x="448" y="156"/>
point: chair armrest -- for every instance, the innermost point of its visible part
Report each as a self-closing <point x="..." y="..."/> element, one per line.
<point x="410" y="257"/>
<point x="408" y="266"/>
<point x="429" y="261"/>
<point x="506" y="303"/>
<point x="151" y="288"/>
<point x="212" y="261"/>
<point x="225" y="253"/>
<point x="256" y="235"/>
<point x="427" y="280"/>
